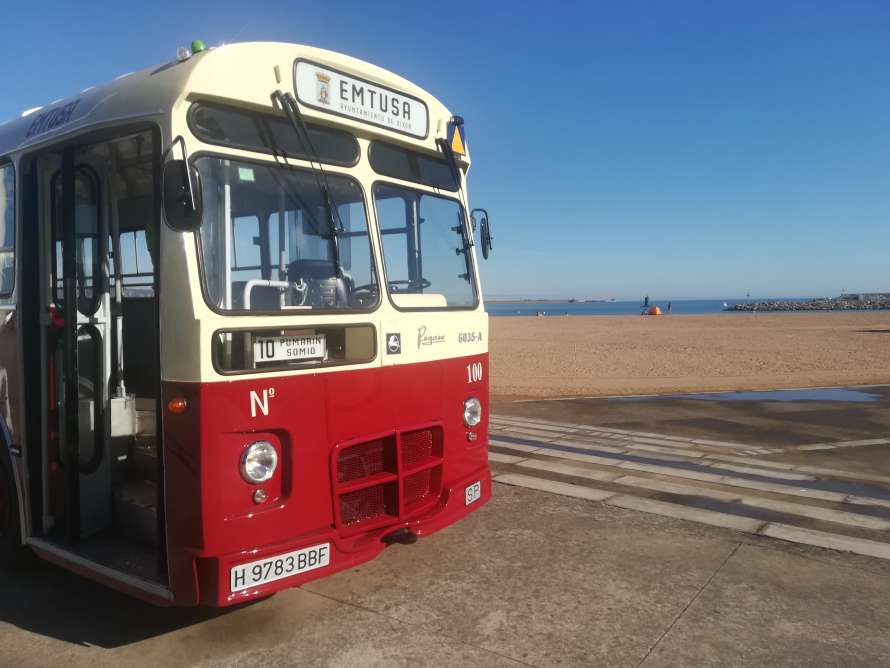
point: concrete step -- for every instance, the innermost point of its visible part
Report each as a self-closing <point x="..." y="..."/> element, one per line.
<point x="826" y="507"/>
<point x="772" y="529"/>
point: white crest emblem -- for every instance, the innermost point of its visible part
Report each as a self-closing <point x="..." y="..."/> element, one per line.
<point x="323" y="88"/>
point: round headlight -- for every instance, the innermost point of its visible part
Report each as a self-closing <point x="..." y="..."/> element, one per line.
<point x="472" y="412"/>
<point x="259" y="461"/>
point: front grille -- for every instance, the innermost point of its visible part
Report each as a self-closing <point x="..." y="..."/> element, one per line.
<point x="417" y="486"/>
<point x="369" y="503"/>
<point x="373" y="486"/>
<point x="365" y="459"/>
<point x="417" y="446"/>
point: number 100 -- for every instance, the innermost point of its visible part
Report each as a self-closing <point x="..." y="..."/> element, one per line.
<point x="474" y="372"/>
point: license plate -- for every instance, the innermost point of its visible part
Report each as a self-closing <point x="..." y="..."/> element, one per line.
<point x="289" y="348"/>
<point x="279" y="567"/>
<point x="473" y="493"/>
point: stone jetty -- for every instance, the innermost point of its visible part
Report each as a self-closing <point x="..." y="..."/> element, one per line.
<point x="850" y="302"/>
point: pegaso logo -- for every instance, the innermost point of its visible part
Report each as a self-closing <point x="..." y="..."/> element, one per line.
<point x="424" y="340"/>
<point x="323" y="88"/>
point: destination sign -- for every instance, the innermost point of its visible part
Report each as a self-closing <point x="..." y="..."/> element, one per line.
<point x="289" y="348"/>
<point x="338" y="93"/>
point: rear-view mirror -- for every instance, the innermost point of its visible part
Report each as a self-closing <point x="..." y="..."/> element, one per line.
<point x="481" y="215"/>
<point x="183" y="205"/>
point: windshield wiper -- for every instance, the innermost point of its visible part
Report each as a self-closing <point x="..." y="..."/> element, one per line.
<point x="451" y="159"/>
<point x="465" y="235"/>
<point x="335" y="223"/>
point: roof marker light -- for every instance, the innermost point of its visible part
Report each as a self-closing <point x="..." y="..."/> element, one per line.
<point x="197" y="46"/>
<point x="182" y="54"/>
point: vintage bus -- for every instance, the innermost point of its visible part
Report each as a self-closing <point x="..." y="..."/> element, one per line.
<point x="243" y="342"/>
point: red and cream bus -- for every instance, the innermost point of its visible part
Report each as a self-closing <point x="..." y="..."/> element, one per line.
<point x="243" y="343"/>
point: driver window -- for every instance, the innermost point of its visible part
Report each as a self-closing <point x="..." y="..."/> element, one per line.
<point x="269" y="241"/>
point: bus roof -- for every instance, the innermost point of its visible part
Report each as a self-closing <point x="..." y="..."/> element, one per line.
<point x="332" y="88"/>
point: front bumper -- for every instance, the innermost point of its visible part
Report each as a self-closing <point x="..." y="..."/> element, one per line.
<point x="213" y="573"/>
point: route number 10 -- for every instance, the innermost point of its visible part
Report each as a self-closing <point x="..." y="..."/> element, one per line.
<point x="474" y="372"/>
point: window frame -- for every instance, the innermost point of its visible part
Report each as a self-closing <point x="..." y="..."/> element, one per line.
<point x="295" y="313"/>
<point x="266" y="150"/>
<point x="4" y="164"/>
<point x="474" y="282"/>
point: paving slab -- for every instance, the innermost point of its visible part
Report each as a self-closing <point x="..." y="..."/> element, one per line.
<point x="553" y="580"/>
<point x="776" y="608"/>
<point x="562" y="488"/>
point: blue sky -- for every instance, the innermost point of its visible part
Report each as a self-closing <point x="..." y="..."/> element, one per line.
<point x="677" y="149"/>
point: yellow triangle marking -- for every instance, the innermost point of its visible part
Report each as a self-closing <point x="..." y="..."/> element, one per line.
<point x="456" y="144"/>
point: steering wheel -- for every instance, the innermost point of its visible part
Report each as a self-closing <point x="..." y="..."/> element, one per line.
<point x="364" y="295"/>
<point x="423" y="283"/>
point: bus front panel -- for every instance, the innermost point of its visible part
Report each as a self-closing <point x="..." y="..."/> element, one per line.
<point x="362" y="454"/>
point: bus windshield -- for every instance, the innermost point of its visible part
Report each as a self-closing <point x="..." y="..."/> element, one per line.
<point x="268" y="243"/>
<point x="425" y="249"/>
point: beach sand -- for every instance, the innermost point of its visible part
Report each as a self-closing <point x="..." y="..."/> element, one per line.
<point x="614" y="355"/>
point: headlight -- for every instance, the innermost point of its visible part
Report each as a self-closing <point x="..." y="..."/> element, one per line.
<point x="472" y="412"/>
<point x="259" y="461"/>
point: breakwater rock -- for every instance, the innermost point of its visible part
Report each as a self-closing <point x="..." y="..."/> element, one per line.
<point x="855" y="302"/>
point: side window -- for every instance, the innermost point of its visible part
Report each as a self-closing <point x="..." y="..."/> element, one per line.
<point x="137" y="268"/>
<point x="7" y="229"/>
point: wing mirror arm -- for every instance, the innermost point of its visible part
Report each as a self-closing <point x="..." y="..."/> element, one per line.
<point x="183" y="203"/>
<point x="188" y="172"/>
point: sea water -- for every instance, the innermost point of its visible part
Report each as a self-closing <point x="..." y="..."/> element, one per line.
<point x="678" y="307"/>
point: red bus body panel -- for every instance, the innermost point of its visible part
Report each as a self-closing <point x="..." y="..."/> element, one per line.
<point x="213" y="522"/>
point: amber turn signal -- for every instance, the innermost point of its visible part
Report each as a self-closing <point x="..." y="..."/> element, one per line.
<point x="177" y="406"/>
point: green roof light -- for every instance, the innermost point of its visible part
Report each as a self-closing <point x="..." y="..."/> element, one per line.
<point x="198" y="46"/>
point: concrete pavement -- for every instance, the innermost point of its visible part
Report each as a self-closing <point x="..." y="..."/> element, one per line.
<point x="599" y="568"/>
<point x="533" y="579"/>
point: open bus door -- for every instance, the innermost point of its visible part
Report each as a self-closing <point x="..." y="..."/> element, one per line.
<point x="97" y="212"/>
<point x="82" y="346"/>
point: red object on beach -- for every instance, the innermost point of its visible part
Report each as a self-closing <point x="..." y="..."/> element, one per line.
<point x="652" y="310"/>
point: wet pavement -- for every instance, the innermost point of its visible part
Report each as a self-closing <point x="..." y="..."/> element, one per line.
<point x="829" y="394"/>
<point x="775" y="418"/>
